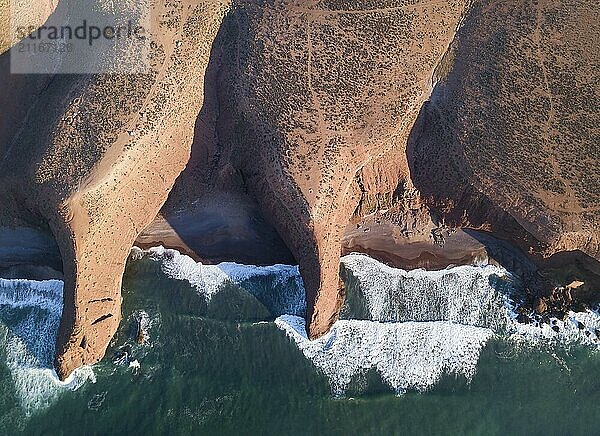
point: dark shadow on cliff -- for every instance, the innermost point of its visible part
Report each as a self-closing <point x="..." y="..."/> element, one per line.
<point x="211" y="207"/>
<point x="441" y="172"/>
<point x="436" y="164"/>
<point x="29" y="253"/>
<point x="40" y="97"/>
<point x="34" y="106"/>
<point x="568" y="266"/>
<point x="249" y="205"/>
<point x="28" y="248"/>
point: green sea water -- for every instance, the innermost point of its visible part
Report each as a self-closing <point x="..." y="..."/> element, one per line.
<point x="231" y="370"/>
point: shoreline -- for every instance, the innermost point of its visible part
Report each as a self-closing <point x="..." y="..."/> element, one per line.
<point x="28" y="253"/>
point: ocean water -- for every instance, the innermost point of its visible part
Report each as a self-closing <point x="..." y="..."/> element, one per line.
<point x="415" y="352"/>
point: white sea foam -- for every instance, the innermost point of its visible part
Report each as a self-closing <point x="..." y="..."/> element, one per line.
<point x="469" y="295"/>
<point x="465" y="294"/>
<point x="407" y="355"/>
<point x="577" y="328"/>
<point x="30" y="313"/>
<point x="20" y="293"/>
<point x="436" y="322"/>
<point x="413" y="326"/>
<point x="278" y="287"/>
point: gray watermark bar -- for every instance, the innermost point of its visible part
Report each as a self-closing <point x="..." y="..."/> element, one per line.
<point x="80" y="36"/>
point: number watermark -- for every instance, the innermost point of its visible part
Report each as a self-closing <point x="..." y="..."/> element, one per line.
<point x="80" y="36"/>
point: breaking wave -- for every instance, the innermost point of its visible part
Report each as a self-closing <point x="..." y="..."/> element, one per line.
<point x="30" y="314"/>
<point x="412" y="327"/>
<point x="407" y="355"/>
<point x="482" y="296"/>
<point x="468" y="295"/>
<point x="278" y="287"/>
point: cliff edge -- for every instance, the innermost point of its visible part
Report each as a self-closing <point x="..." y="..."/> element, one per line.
<point x="95" y="157"/>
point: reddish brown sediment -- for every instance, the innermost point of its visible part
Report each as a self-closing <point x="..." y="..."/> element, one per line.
<point x="508" y="143"/>
<point x="308" y="96"/>
<point x="104" y="152"/>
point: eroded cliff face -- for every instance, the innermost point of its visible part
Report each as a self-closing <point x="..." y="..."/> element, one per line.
<point x="101" y="154"/>
<point x="310" y="92"/>
<point x="324" y="114"/>
<point x="509" y="140"/>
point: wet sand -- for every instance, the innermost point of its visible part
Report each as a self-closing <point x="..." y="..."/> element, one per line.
<point x="383" y="242"/>
<point x="223" y="228"/>
<point x="235" y="231"/>
<point x="29" y="253"/>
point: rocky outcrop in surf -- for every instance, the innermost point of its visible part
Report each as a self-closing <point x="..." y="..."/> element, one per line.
<point x="309" y="94"/>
